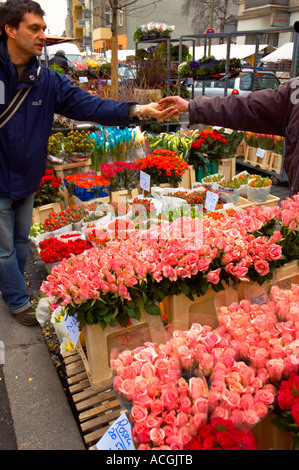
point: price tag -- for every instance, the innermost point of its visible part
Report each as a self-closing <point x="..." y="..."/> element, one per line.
<point x="145" y="181"/>
<point x="190" y="81"/>
<point x="260" y="153"/>
<point x="83" y="79"/>
<point x="118" y="436"/>
<point x="211" y="201"/>
<point x="72" y="327"/>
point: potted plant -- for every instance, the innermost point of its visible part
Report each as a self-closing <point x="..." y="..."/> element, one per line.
<point x="78" y="145"/>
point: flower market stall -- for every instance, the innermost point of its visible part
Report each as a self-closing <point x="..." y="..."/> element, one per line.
<point x="176" y="307"/>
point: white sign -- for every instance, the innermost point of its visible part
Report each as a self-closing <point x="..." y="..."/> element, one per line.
<point x="83" y="79"/>
<point x="145" y="181"/>
<point x="211" y="201"/>
<point x="260" y="153"/>
<point x="72" y="327"/>
<point x="118" y="436"/>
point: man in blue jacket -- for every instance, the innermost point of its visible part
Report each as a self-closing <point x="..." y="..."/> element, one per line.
<point x="24" y="136"/>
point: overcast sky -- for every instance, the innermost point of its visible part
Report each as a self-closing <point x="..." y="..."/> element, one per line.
<point x="55" y="15"/>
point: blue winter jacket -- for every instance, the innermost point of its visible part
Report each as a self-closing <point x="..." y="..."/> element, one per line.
<point x="24" y="138"/>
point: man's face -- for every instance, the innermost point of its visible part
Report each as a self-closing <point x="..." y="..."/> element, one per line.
<point x="30" y="35"/>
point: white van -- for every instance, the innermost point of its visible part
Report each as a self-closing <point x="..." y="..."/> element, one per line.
<point x="71" y="50"/>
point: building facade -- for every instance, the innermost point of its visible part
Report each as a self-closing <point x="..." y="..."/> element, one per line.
<point x="265" y="15"/>
<point x="89" y="21"/>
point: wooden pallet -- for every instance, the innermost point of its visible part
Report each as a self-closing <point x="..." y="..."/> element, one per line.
<point x="96" y="410"/>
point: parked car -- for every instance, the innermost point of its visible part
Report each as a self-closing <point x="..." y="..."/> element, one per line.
<point x="238" y="85"/>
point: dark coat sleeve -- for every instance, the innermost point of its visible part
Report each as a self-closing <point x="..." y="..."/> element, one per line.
<point x="260" y="111"/>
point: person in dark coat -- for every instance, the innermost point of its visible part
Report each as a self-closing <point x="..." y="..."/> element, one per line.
<point x="264" y="111"/>
<point x="24" y="136"/>
<point x="60" y="59"/>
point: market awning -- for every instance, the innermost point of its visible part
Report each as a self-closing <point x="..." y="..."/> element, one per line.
<point x="237" y="51"/>
<point x="285" y="52"/>
<point x="52" y="40"/>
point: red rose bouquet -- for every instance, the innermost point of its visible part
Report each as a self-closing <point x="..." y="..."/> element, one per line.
<point x="209" y="146"/>
<point x="221" y="434"/>
<point x="287" y="414"/>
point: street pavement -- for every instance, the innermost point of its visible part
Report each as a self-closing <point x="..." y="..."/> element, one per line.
<point x="35" y="413"/>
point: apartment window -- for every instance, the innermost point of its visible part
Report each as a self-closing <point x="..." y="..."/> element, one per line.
<point x="121" y="17"/>
<point x="107" y="17"/>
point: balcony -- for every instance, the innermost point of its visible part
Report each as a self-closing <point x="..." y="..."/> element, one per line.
<point x="263" y="3"/>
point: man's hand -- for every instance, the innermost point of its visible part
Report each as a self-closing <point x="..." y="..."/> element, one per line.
<point x="154" y="110"/>
<point x="176" y="103"/>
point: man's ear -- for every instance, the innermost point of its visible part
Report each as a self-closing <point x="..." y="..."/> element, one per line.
<point x="10" y="31"/>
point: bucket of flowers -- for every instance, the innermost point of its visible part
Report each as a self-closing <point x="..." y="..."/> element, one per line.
<point x="209" y="147"/>
<point x="122" y="175"/>
<point x="78" y="145"/>
<point x="163" y="166"/>
<point x="258" y="188"/>
<point x="88" y="185"/>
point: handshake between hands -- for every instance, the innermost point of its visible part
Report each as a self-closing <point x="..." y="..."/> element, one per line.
<point x="166" y="108"/>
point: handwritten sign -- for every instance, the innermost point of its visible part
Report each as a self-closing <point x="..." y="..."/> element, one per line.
<point x="72" y="328"/>
<point x="260" y="153"/>
<point x="118" y="436"/>
<point x="211" y="201"/>
<point x="145" y="181"/>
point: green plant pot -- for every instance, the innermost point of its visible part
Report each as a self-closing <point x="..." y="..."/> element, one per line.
<point x="208" y="169"/>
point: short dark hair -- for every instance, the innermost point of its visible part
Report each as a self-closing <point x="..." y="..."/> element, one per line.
<point x="12" y="13"/>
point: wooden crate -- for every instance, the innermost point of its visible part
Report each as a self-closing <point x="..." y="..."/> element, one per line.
<point x="241" y="150"/>
<point x="181" y="311"/>
<point x="227" y="166"/>
<point x="96" y="347"/>
<point x="74" y="200"/>
<point x="250" y="155"/>
<point x="116" y="196"/>
<point x="96" y="411"/>
<point x="40" y="214"/>
<point x="62" y="169"/>
<point x="275" y="162"/>
<point x="272" y="201"/>
<point x="263" y="162"/>
<point x="286" y="275"/>
<point x="188" y="178"/>
<point x="271" y="438"/>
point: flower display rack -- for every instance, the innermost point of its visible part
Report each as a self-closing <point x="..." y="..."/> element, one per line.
<point x="97" y="344"/>
<point x="40" y="214"/>
<point x="263" y="158"/>
<point x="95" y="410"/>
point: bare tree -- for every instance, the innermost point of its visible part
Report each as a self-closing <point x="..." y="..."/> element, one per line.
<point x="126" y="6"/>
<point x="214" y="14"/>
